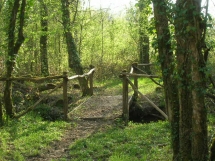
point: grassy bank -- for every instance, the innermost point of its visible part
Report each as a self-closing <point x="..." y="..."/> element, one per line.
<point x="135" y="142"/>
<point x="28" y="136"/>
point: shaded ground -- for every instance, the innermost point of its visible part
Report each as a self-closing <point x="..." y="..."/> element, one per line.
<point x="81" y="129"/>
<point x="89" y="117"/>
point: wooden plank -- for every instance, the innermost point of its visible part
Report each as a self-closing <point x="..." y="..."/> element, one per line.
<point x="135" y="80"/>
<point x="32" y="79"/>
<point x="145" y="64"/>
<point x="146" y="98"/>
<point x="91" y="82"/>
<point x="142" y="75"/>
<point x="81" y="76"/>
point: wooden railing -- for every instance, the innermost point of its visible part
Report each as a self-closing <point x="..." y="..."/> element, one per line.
<point x="64" y="84"/>
<point x="135" y="73"/>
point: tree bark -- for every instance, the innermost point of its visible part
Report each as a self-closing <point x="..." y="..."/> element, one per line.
<point x="13" y="48"/>
<point x="1" y="112"/>
<point x="193" y="116"/>
<point x="44" y="39"/>
<point x="143" y="38"/>
<point x="166" y="59"/>
<point x="1" y="5"/>
<point x="74" y="59"/>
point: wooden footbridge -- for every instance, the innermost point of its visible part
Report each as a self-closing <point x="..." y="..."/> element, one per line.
<point x="98" y="107"/>
<point x="111" y="107"/>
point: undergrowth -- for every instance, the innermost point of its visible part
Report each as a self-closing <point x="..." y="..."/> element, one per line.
<point x="28" y="136"/>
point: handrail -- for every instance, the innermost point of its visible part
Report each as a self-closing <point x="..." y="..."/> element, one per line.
<point x="64" y="84"/>
<point x="81" y="76"/>
<point x="33" y="79"/>
<point x="34" y="105"/>
<point x="142" y="75"/>
<point x="126" y="81"/>
<point x="146" y="98"/>
<point x="145" y="64"/>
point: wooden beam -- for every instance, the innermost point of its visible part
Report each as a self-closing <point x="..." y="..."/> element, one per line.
<point x="146" y="98"/>
<point x="125" y="98"/>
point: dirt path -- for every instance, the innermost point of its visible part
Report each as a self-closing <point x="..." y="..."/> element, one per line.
<point x="60" y="149"/>
<point x="88" y="118"/>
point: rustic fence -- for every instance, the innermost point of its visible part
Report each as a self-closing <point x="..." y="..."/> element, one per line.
<point x="64" y="84"/>
<point x="135" y="73"/>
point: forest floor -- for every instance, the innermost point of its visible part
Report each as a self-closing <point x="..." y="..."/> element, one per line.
<point x="87" y="116"/>
<point x="81" y="129"/>
<point x="91" y="115"/>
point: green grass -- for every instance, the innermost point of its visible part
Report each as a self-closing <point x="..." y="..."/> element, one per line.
<point x="147" y="86"/>
<point x="28" y="137"/>
<point x="135" y="142"/>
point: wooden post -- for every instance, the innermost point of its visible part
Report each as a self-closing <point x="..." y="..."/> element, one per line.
<point x="135" y="81"/>
<point x="125" y="98"/>
<point x="91" y="80"/>
<point x="65" y="97"/>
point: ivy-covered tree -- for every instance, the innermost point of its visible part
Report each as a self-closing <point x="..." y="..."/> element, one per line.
<point x="1" y="112"/>
<point x="15" y="39"/>
<point x="73" y="55"/>
<point x="44" y="38"/>
<point x="189" y="27"/>
<point x="144" y="13"/>
<point x="189" y="121"/>
<point x="167" y="61"/>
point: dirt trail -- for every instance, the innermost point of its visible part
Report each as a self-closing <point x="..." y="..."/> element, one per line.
<point x="88" y="118"/>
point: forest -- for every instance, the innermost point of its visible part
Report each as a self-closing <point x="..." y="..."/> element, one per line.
<point x="45" y="44"/>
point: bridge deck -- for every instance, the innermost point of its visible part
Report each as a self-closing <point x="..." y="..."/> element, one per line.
<point x="104" y="107"/>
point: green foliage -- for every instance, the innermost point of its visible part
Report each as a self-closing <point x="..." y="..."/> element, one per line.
<point x="28" y="137"/>
<point x="135" y="142"/>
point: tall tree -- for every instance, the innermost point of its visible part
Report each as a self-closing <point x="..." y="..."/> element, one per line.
<point x="44" y="38"/>
<point x="143" y="35"/>
<point x="193" y="117"/>
<point x="189" y="128"/>
<point x="14" y="44"/>
<point x="166" y="59"/>
<point x="1" y="4"/>
<point x="74" y="59"/>
<point x="1" y="112"/>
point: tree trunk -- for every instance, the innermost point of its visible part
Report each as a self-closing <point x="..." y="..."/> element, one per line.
<point x="1" y="4"/>
<point x="193" y="116"/>
<point x="1" y="112"/>
<point x="13" y="48"/>
<point x="74" y="59"/>
<point x="166" y="59"/>
<point x="44" y="39"/>
<point x="143" y="39"/>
